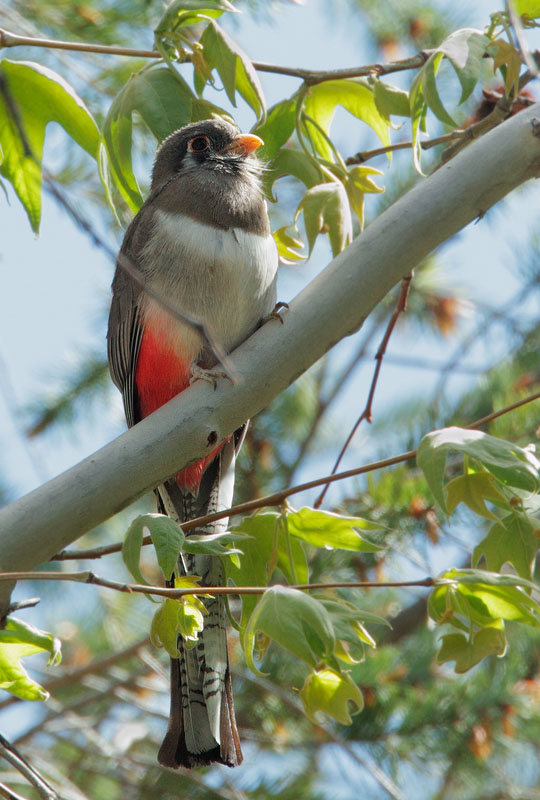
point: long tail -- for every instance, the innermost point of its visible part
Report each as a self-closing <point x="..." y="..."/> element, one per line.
<point x="202" y="725"/>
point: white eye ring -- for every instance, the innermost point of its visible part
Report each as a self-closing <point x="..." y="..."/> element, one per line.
<point x="194" y="144"/>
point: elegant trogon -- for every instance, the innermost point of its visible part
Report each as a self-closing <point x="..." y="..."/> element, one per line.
<point x="200" y="245"/>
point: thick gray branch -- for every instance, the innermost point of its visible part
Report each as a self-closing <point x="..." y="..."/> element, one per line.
<point x="333" y="306"/>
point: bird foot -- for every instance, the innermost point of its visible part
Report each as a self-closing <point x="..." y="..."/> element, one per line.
<point x="274" y="314"/>
<point x="209" y="375"/>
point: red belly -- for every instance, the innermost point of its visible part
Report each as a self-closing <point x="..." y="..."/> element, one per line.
<point x="159" y="376"/>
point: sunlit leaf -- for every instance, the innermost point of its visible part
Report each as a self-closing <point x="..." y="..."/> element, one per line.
<point x="288" y="246"/>
<point x="390" y="100"/>
<point x="277" y="128"/>
<point x="292" y="162"/>
<point x="359" y="183"/>
<point x="331" y="693"/>
<point x="212" y="544"/>
<point x="17" y="640"/>
<point x="34" y="96"/>
<point x="329" y="530"/>
<point x="356" y="96"/>
<point x="175" y="13"/>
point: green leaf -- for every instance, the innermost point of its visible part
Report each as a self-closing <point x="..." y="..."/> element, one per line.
<point x="465" y="50"/>
<point x="326" y="210"/>
<point x="203" y="109"/>
<point x="184" y="617"/>
<point x="212" y="544"/>
<point x="483" y="597"/>
<point x="131" y="549"/>
<point x="293" y="619"/>
<point x="529" y="7"/>
<point x="474" y="489"/>
<point x="390" y="100"/>
<point x="163" y="632"/>
<point x="288" y="246"/>
<point x="468" y="651"/>
<point x="359" y="182"/>
<point x="168" y="539"/>
<point x="329" y="530"/>
<point x="512" y="540"/>
<point x="356" y="96"/>
<point x="38" y="96"/>
<point x="295" y="163"/>
<point x="164" y="101"/>
<point x="175" y="13"/>
<point x="264" y="550"/>
<point x="510" y="464"/>
<point x="347" y="622"/>
<point x="331" y="692"/>
<point x="234" y="68"/>
<point x="277" y="128"/>
<point x="431" y="92"/>
<point x="18" y="640"/>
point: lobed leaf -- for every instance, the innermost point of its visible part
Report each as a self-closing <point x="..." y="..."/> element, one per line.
<point x="17" y="640"/>
<point x="468" y="651"/>
<point x="326" y="210"/>
<point x="473" y="489"/>
<point x="295" y="163"/>
<point x="512" y="541"/>
<point x="234" y="68"/>
<point x="511" y="465"/>
<point x="330" y="692"/>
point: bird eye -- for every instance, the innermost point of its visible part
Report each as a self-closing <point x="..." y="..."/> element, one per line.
<point x="199" y="144"/>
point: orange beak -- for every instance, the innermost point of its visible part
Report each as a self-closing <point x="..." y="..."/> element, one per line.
<point x="244" y="144"/>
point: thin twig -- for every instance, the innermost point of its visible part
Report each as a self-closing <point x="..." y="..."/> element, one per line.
<point x="10" y="753"/>
<point x="309" y="76"/>
<point x="366" y="155"/>
<point x="379" y="355"/>
<point x="162" y="591"/>
<point x="9" y="794"/>
<point x="277" y="498"/>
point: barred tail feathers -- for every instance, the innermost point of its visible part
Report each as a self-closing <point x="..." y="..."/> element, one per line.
<point x="202" y="725"/>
